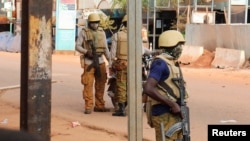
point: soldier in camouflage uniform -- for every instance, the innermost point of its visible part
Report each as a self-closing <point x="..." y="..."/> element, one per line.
<point x="94" y="34"/>
<point x="119" y="64"/>
<point x="164" y="106"/>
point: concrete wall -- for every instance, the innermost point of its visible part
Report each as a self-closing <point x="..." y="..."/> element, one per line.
<point x="211" y="36"/>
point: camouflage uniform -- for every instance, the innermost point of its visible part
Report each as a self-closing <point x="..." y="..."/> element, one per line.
<point x="164" y="101"/>
<point x="88" y="78"/>
<point x="168" y="120"/>
<point x="119" y="64"/>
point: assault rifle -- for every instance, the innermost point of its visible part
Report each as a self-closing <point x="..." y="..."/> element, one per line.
<point x="184" y="125"/>
<point x="95" y="63"/>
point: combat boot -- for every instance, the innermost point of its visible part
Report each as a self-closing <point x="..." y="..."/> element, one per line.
<point x="121" y="111"/>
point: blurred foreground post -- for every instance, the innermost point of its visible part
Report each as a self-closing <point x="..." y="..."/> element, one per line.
<point x="134" y="12"/>
<point x="36" y="54"/>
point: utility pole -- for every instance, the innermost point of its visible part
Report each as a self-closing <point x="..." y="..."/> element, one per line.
<point x="36" y="62"/>
<point x="134" y="11"/>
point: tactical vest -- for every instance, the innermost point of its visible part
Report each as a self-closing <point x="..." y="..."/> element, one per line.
<point x="98" y="39"/>
<point x="122" y="48"/>
<point x="174" y="73"/>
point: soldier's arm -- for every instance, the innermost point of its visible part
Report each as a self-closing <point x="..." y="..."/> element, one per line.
<point x="149" y="88"/>
<point x="106" y="53"/>
<point x="80" y="43"/>
<point x="113" y="47"/>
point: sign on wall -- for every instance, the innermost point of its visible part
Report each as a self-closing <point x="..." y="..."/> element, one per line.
<point x="65" y="25"/>
<point x="67" y="14"/>
<point x="203" y="17"/>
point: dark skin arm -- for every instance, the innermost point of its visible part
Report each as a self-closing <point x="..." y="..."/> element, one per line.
<point x="149" y="88"/>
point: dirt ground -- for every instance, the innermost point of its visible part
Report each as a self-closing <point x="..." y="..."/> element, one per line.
<point x="217" y="96"/>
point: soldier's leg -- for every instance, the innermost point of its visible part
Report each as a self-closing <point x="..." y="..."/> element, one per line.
<point x="168" y="120"/>
<point x="121" y="93"/>
<point x="88" y="81"/>
<point x="100" y="83"/>
<point x="122" y="86"/>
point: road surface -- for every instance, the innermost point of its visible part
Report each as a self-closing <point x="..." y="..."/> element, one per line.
<point x="216" y="96"/>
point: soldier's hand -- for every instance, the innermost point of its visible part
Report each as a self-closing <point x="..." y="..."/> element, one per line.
<point x="175" y="109"/>
<point x="89" y="54"/>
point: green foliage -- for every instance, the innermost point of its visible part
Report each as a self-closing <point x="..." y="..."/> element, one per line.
<point x="145" y="5"/>
<point x="122" y="4"/>
<point x="162" y="2"/>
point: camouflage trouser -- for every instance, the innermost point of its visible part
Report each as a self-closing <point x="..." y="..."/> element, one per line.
<point x="168" y="120"/>
<point x="88" y="79"/>
<point x="121" y="82"/>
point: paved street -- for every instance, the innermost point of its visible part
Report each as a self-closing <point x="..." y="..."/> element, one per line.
<point x="217" y="96"/>
<point x="67" y="102"/>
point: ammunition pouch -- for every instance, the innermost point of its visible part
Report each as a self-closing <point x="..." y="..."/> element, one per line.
<point x="120" y="65"/>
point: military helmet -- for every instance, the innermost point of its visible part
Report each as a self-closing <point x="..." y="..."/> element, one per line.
<point x="125" y="18"/>
<point x="170" y="38"/>
<point x="94" y="17"/>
